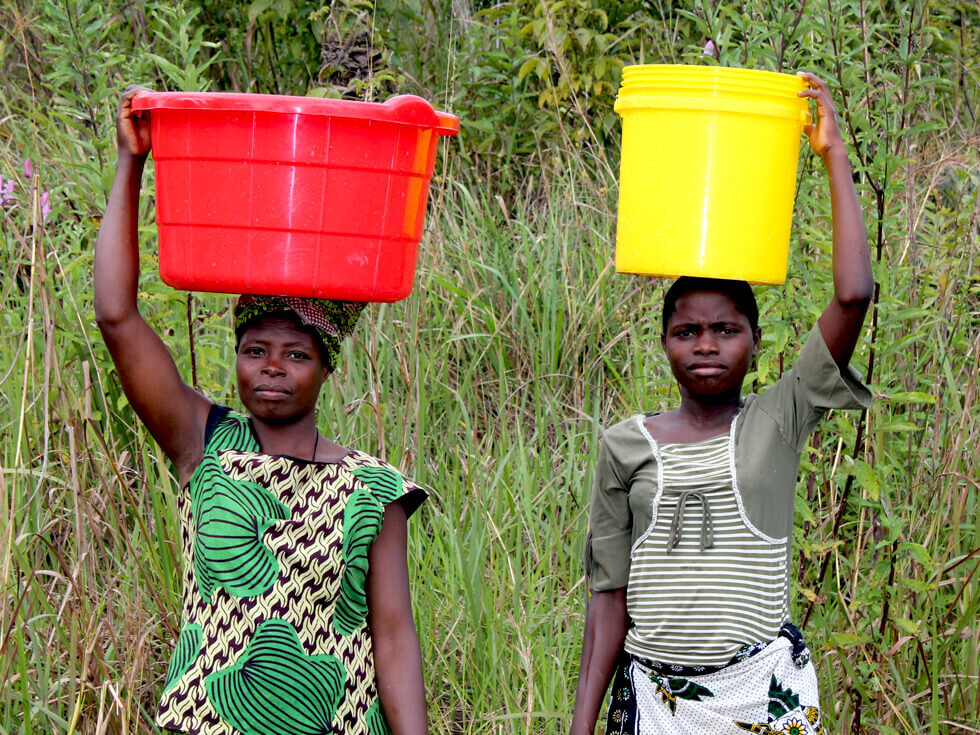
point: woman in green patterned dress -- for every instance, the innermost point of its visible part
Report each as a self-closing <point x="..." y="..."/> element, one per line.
<point x="296" y="614"/>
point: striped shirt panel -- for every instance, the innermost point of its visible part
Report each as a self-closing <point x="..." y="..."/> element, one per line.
<point x="699" y="607"/>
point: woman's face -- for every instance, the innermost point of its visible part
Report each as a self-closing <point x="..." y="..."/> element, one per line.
<point x="709" y="344"/>
<point x="280" y="371"/>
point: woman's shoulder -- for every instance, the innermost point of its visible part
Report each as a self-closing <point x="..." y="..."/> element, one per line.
<point x="814" y="377"/>
<point x="626" y="439"/>
<point x="630" y="427"/>
<point x="384" y="481"/>
<point x="357" y="459"/>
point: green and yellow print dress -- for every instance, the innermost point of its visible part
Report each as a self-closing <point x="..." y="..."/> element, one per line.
<point x="274" y="634"/>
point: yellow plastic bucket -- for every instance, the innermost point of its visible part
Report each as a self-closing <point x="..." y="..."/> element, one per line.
<point x="708" y="171"/>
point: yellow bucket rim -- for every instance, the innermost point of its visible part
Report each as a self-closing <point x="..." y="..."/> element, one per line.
<point x="722" y="89"/>
<point x="733" y="90"/>
<point x="694" y="74"/>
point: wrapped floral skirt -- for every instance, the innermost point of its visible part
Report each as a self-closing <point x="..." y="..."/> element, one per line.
<point x="766" y="688"/>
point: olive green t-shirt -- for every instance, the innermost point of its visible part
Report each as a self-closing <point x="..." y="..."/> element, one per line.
<point x="770" y="432"/>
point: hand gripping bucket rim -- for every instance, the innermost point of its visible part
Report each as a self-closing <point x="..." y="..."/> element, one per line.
<point x="708" y="171"/>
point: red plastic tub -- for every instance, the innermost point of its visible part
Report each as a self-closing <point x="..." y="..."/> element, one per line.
<point x="293" y="196"/>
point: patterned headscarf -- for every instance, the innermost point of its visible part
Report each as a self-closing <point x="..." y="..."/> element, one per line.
<point x="331" y="320"/>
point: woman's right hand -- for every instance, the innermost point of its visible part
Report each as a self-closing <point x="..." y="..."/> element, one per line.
<point x="132" y="128"/>
<point x="605" y="630"/>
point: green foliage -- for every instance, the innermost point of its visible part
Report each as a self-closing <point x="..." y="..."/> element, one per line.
<point x="355" y="62"/>
<point x="574" y="62"/>
<point x="267" y="45"/>
<point x="498" y="115"/>
<point x="544" y="75"/>
<point x="184" y="58"/>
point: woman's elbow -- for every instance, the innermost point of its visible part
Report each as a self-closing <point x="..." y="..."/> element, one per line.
<point x="856" y="296"/>
<point x="108" y="319"/>
<point x="114" y="320"/>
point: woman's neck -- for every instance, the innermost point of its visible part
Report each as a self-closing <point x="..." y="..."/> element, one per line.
<point x="295" y="439"/>
<point x="692" y="421"/>
<point x="704" y="412"/>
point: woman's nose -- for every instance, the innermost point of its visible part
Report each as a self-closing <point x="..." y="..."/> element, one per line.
<point x="705" y="344"/>
<point x="271" y="367"/>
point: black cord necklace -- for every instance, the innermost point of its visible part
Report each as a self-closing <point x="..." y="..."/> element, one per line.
<point x="315" y="445"/>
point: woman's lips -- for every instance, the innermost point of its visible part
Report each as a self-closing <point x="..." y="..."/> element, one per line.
<point x="270" y="391"/>
<point x="707" y="370"/>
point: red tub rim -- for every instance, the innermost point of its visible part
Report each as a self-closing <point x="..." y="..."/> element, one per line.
<point x="403" y="109"/>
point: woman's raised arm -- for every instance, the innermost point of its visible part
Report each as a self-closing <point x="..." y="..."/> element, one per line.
<point x="173" y="412"/>
<point x="843" y="319"/>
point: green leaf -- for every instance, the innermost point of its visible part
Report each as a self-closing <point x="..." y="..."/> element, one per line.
<point x="171" y="70"/>
<point x="826" y="546"/>
<point x="909" y="626"/>
<point x="866" y="477"/>
<point x="847" y="640"/>
<point x="526" y="68"/>
<point x="257" y="8"/>
<point x="917" y="585"/>
<point x="919" y="552"/>
<point x="896" y="426"/>
<point x="485" y="126"/>
<point x="911" y="397"/>
<point x="762" y="372"/>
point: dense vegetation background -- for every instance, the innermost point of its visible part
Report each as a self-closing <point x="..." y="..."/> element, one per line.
<point x="492" y="382"/>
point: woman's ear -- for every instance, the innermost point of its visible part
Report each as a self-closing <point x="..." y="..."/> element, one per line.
<point x="756" y="339"/>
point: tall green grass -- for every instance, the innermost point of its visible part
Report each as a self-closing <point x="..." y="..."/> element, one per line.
<point x="490" y="385"/>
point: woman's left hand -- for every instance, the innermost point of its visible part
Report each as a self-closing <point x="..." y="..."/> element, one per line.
<point x="825" y="133"/>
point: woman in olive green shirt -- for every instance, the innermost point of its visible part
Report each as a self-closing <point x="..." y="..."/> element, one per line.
<point x="691" y="513"/>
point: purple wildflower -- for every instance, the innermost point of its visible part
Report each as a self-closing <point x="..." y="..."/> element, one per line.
<point x="710" y="49"/>
<point x="6" y="191"/>
<point x="45" y="206"/>
<point x="28" y="169"/>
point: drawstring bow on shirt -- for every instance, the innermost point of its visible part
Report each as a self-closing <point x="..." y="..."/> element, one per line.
<point x="707" y="527"/>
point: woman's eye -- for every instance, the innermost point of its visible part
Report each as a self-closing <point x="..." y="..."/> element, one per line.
<point x="299" y="355"/>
